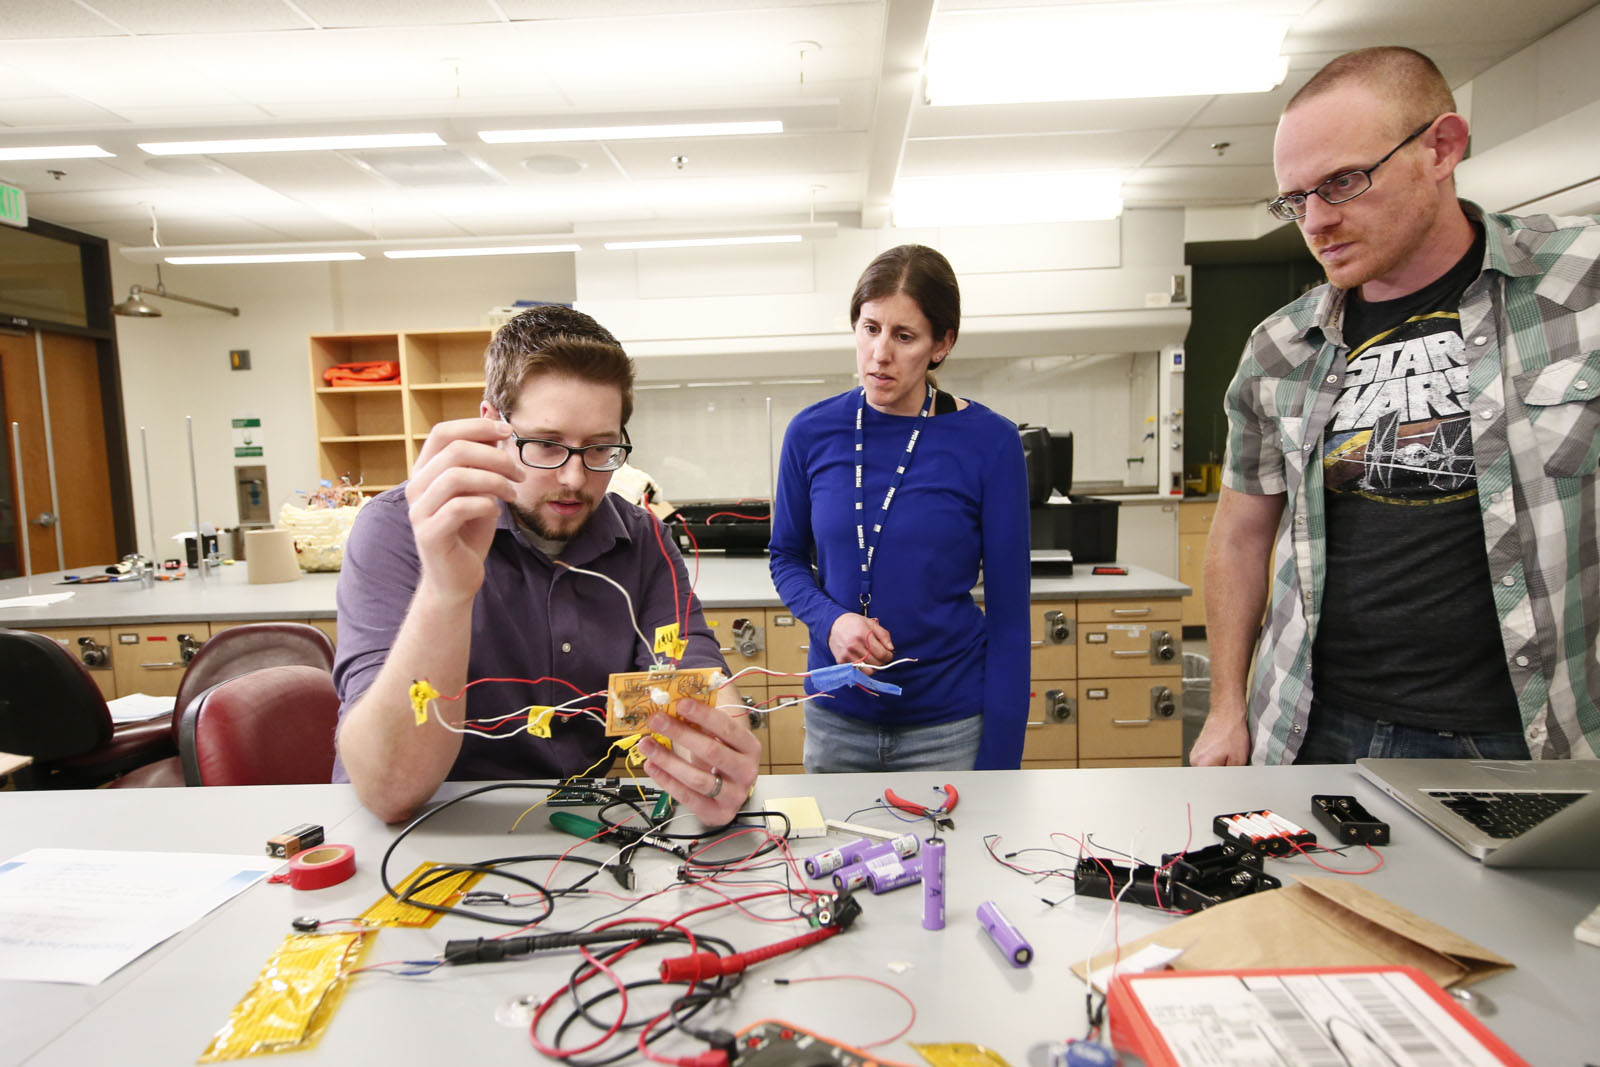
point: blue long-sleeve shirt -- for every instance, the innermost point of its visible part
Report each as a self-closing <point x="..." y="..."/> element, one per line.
<point x="963" y="505"/>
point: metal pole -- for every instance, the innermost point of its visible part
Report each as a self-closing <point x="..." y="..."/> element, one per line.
<point x="149" y="499"/>
<point x="49" y="448"/>
<point x="772" y="468"/>
<point x="194" y="486"/>
<point x="22" y="506"/>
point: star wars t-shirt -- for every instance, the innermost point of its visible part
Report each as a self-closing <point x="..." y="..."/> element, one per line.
<point x="1408" y="632"/>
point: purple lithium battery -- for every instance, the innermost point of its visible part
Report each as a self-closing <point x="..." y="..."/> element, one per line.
<point x="857" y="851"/>
<point x="933" y="884"/>
<point x="1009" y="940"/>
<point x="891" y="872"/>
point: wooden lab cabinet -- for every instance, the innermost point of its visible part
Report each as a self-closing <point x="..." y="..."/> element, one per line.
<point x="1194" y="528"/>
<point x="91" y="646"/>
<point x="1106" y="683"/>
<point x="151" y="658"/>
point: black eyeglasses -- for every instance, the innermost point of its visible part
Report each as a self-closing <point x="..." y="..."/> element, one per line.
<point x="551" y="455"/>
<point x="1291" y="207"/>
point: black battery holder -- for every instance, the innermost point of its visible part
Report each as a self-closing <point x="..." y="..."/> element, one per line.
<point x="1281" y="844"/>
<point x="1351" y="823"/>
<point x="1190" y="881"/>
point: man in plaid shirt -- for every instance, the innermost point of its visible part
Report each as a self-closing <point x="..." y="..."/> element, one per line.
<point x="1412" y="450"/>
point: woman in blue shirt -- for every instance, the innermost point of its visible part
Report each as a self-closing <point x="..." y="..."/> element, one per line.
<point x="904" y="493"/>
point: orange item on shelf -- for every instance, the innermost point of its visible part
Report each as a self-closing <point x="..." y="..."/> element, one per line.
<point x="376" y="372"/>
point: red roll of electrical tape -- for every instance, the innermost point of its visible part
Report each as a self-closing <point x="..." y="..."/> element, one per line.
<point x="322" y="866"/>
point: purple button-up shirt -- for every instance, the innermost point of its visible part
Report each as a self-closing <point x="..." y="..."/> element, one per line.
<point x="531" y="619"/>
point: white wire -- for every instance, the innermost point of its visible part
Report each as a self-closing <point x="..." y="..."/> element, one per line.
<point x="439" y="716"/>
<point x="633" y="617"/>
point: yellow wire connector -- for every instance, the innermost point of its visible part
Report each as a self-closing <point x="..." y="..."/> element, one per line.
<point x="421" y="692"/>
<point x="539" y="716"/>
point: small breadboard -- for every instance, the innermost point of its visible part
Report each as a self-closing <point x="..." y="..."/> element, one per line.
<point x="636" y="696"/>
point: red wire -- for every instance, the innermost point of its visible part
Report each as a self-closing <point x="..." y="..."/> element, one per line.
<point x="1335" y="870"/>
<point x="737" y="515"/>
<point x="694" y="543"/>
<point x="529" y="681"/>
<point x="655" y="527"/>
<point x="875" y="981"/>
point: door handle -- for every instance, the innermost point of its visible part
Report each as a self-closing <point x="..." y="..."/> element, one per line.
<point x="45" y="519"/>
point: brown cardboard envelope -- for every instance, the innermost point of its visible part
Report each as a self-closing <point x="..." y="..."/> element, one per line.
<point x="1321" y="922"/>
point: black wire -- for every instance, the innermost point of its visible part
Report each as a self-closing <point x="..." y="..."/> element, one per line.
<point x="440" y="873"/>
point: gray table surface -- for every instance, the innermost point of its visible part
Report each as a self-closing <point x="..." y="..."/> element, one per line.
<point x="164" y="1007"/>
<point x="228" y="596"/>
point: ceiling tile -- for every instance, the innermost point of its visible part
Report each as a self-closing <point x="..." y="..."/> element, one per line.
<point x="1012" y="155"/>
<point x="727" y="157"/>
<point x="54" y="111"/>
<point x="1149" y="114"/>
<point x="36" y="19"/>
<point x="212" y="16"/>
<point x="1245" y="145"/>
<point x="352" y="13"/>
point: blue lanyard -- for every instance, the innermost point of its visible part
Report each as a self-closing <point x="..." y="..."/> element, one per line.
<point x="867" y="543"/>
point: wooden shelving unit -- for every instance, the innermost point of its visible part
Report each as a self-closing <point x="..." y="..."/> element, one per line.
<point x="372" y="433"/>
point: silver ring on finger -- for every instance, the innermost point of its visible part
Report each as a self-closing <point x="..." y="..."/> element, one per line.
<point x="716" y="787"/>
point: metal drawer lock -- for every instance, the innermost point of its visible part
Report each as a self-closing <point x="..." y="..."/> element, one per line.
<point x="757" y="719"/>
<point x="1162" y="648"/>
<point x="188" y="645"/>
<point x="1162" y="703"/>
<point x="747" y="637"/>
<point x="93" y="653"/>
<point x="1058" y="707"/>
<point x="1057" y="628"/>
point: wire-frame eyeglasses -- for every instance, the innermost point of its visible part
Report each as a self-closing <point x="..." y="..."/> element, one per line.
<point x="552" y="455"/>
<point x="1291" y="207"/>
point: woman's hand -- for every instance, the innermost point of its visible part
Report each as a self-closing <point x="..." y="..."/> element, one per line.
<point x="858" y="639"/>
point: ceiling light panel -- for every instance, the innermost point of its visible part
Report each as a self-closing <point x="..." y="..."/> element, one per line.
<point x="664" y="131"/>
<point x="503" y="250"/>
<point x="320" y="143"/>
<point x="60" y="151"/>
<point x="267" y="257"/>
<point x="1105" y="52"/>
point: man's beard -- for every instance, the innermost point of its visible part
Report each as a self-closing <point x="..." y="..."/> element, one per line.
<point x="535" y="521"/>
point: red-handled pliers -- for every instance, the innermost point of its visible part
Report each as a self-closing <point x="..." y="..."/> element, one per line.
<point x="940" y="815"/>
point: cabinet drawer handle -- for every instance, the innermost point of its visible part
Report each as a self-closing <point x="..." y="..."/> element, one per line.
<point x="805" y="648"/>
<point x="1035" y="644"/>
<point x="1130" y="611"/>
<point x="1033" y="725"/>
<point x="1130" y="652"/>
<point x="1130" y="722"/>
<point x="169" y="665"/>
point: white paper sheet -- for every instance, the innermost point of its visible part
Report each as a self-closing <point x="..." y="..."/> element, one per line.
<point x="137" y="707"/>
<point x="69" y="915"/>
<point x="36" y="600"/>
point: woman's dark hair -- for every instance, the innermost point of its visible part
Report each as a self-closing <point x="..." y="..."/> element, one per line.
<point x="922" y="274"/>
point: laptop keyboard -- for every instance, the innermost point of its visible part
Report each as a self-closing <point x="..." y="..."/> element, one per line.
<point x="1504" y="814"/>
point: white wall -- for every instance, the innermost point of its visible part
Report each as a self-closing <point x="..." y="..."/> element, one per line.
<point x="177" y="365"/>
<point x="1051" y="318"/>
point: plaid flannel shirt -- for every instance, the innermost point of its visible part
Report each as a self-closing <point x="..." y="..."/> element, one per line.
<point x="1531" y="325"/>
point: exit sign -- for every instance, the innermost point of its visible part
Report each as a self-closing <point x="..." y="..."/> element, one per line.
<point x="13" y="205"/>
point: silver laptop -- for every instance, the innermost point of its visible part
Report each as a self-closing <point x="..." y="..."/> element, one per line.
<point x="1507" y="813"/>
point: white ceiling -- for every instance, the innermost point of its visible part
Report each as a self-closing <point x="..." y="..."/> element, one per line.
<point x="842" y="75"/>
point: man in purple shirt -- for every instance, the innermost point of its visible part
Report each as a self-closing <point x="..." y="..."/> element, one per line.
<point x="464" y="573"/>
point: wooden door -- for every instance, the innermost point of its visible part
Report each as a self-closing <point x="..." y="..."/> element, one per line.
<point x="82" y="498"/>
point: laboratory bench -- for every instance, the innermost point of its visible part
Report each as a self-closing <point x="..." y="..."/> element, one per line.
<point x="1106" y="649"/>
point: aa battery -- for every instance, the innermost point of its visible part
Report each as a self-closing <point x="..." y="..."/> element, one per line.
<point x="1009" y="940"/>
<point x="933" y="884"/>
<point x="825" y="863"/>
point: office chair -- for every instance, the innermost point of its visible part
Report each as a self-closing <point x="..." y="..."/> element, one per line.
<point x="51" y="709"/>
<point x="273" y="726"/>
<point x="230" y="653"/>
